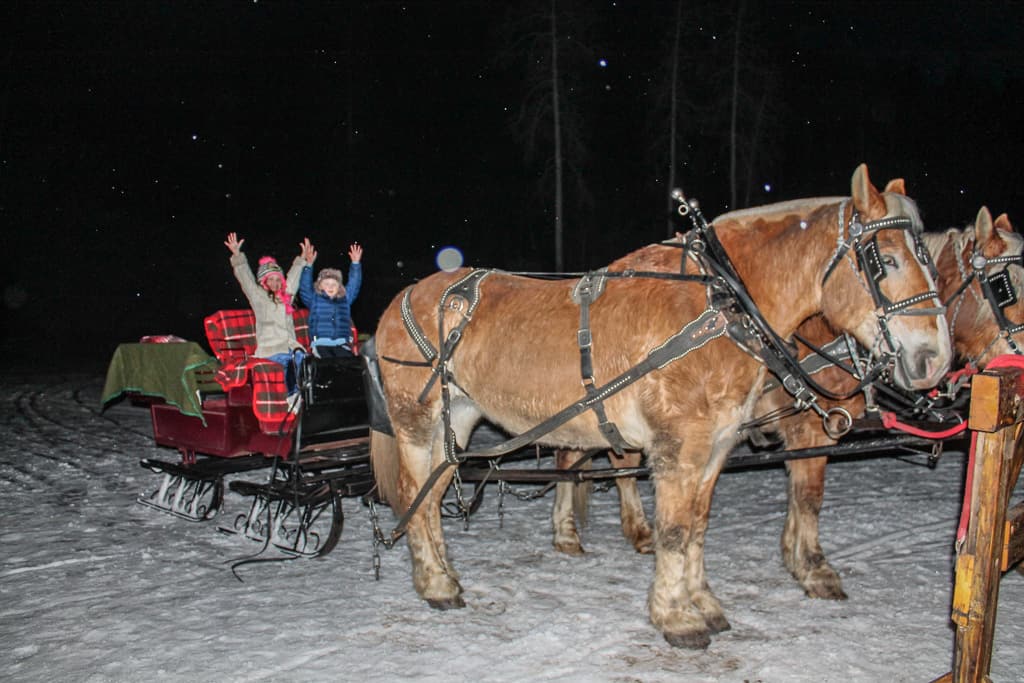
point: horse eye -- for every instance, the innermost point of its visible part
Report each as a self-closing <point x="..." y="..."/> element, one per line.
<point x="889" y="261"/>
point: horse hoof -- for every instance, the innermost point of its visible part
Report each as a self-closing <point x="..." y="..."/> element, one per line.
<point x="569" y="548"/>
<point x="819" y="592"/>
<point x="645" y="548"/>
<point x="824" y="585"/>
<point x="718" y="624"/>
<point x="448" y="603"/>
<point x="690" y="641"/>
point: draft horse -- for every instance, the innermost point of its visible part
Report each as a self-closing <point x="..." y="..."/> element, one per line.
<point x="458" y="347"/>
<point x="980" y="275"/>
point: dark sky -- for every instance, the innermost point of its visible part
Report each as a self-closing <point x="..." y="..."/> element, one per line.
<point x="134" y="135"/>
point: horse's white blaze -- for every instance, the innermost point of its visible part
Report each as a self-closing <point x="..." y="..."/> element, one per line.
<point x="934" y="346"/>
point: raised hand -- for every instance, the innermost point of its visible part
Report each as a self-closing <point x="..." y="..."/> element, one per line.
<point x="234" y="244"/>
<point x="307" y="250"/>
<point x="355" y="252"/>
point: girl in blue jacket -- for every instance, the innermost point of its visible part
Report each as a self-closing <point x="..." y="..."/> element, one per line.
<point x="329" y="302"/>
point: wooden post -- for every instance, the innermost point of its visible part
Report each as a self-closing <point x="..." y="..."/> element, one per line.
<point x="997" y="407"/>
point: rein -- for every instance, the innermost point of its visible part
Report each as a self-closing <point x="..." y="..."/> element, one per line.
<point x="749" y="329"/>
<point x="730" y="311"/>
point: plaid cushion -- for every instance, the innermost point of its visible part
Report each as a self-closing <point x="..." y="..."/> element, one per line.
<point x="232" y="337"/>
<point x="232" y="333"/>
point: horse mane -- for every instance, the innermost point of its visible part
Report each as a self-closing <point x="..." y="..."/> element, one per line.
<point x="780" y="208"/>
<point x="936" y="242"/>
<point x="907" y="207"/>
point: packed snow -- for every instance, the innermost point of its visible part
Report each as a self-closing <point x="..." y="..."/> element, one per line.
<point x="97" y="588"/>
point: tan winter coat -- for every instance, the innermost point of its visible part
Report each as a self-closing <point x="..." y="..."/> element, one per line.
<point x="275" y="331"/>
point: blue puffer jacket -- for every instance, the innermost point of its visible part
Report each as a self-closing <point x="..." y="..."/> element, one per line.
<point x="330" y="318"/>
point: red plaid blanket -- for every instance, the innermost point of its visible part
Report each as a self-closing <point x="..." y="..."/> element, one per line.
<point x="232" y="337"/>
<point x="269" y="394"/>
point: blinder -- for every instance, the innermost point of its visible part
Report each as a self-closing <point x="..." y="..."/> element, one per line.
<point x="1003" y="294"/>
<point x="869" y="258"/>
<point x="999" y="290"/>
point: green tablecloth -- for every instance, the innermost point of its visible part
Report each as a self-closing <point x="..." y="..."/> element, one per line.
<point x="175" y="372"/>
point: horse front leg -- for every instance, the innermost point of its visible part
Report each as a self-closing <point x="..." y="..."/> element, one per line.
<point x="670" y="605"/>
<point x="433" y="577"/>
<point x="700" y="592"/>
<point x="631" y="509"/>
<point x="801" y="550"/>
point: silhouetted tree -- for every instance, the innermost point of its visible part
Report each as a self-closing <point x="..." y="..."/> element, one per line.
<point x="714" y="100"/>
<point x="548" y="39"/>
<point x="750" y="103"/>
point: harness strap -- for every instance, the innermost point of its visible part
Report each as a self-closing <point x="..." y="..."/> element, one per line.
<point x="741" y="331"/>
<point x="414" y="329"/>
<point x="462" y="294"/>
<point x="827" y="356"/>
<point x="586" y="291"/>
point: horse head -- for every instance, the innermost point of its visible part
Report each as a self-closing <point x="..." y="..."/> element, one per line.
<point x="880" y="284"/>
<point x="981" y="278"/>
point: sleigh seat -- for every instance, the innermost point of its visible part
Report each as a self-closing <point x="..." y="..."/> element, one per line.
<point x="249" y="381"/>
<point x="333" y="386"/>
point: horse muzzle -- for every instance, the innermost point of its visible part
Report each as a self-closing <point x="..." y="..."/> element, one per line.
<point x="923" y="363"/>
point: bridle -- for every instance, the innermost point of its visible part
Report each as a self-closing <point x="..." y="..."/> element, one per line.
<point x="862" y="240"/>
<point x="997" y="289"/>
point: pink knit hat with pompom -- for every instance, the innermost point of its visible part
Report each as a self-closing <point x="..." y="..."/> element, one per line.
<point x="268" y="267"/>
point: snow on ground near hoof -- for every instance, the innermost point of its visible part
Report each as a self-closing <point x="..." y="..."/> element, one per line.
<point x="97" y="588"/>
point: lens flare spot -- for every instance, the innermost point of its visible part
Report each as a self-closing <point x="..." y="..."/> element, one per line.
<point x="449" y="259"/>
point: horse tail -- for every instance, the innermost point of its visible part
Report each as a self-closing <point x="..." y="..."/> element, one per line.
<point x="384" y="461"/>
<point x="581" y="497"/>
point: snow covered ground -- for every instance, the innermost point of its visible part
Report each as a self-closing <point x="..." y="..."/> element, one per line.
<point x="97" y="588"/>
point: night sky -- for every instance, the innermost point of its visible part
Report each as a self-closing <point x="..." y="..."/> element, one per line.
<point x="134" y="135"/>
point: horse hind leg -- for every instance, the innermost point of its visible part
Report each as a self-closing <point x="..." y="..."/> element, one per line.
<point x="631" y="509"/>
<point x="569" y="499"/>
<point x="801" y="549"/>
<point x="434" y="578"/>
<point x="432" y="575"/>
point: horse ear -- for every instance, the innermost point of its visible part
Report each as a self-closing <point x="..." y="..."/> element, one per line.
<point x="866" y="198"/>
<point x="1003" y="223"/>
<point x="897" y="186"/>
<point x="983" y="227"/>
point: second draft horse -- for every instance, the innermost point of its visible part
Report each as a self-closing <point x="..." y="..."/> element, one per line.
<point x="987" y="250"/>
